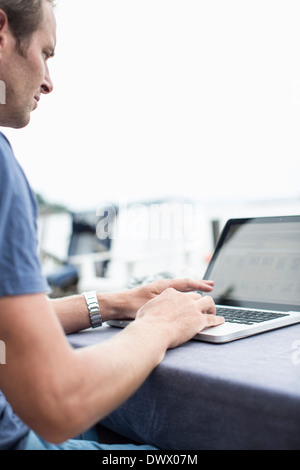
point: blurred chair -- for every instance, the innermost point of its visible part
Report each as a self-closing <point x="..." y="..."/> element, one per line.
<point x="118" y="246"/>
<point x="145" y="241"/>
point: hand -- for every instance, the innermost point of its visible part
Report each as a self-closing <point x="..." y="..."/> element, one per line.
<point x="180" y="315"/>
<point x="134" y="299"/>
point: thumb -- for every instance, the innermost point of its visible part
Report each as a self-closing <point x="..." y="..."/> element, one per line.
<point x="213" y="320"/>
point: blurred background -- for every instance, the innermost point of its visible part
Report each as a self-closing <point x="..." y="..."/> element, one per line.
<point x="164" y="102"/>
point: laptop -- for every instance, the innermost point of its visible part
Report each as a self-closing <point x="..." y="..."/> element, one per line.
<point x="256" y="270"/>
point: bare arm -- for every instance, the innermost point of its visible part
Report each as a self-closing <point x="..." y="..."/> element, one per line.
<point x="60" y="392"/>
<point x="73" y="314"/>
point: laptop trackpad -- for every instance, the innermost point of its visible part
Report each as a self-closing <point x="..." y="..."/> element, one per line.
<point x="221" y="333"/>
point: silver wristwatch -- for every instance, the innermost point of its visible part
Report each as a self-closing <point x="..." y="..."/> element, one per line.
<point x="93" y="308"/>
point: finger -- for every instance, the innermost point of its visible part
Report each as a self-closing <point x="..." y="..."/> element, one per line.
<point x="194" y="295"/>
<point x="206" y="286"/>
<point x="189" y="285"/>
<point x="207" y="305"/>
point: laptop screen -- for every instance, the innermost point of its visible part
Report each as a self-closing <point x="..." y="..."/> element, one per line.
<point x="257" y="264"/>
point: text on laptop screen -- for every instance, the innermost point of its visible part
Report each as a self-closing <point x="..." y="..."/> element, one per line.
<point x="257" y="264"/>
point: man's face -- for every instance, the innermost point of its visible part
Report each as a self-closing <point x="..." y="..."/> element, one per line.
<point x="27" y="76"/>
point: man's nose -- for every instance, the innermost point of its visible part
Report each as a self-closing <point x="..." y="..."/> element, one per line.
<point x="47" y="85"/>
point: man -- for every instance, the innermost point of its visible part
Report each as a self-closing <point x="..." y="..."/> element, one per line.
<point x="50" y="392"/>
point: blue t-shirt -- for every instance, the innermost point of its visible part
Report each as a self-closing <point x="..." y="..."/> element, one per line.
<point x="20" y="268"/>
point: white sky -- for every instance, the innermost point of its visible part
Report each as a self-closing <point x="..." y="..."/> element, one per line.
<point x="193" y="98"/>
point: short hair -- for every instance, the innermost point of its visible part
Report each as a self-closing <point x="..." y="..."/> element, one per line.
<point x="24" y="17"/>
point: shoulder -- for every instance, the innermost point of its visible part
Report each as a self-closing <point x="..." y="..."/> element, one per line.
<point x="20" y="269"/>
<point x="4" y="139"/>
<point x="5" y="147"/>
<point x="11" y="173"/>
<point x="15" y="190"/>
<point x="7" y="159"/>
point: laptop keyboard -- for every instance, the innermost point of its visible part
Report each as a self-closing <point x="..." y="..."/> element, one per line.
<point x="247" y="317"/>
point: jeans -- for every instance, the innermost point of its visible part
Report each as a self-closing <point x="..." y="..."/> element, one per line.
<point x="86" y="441"/>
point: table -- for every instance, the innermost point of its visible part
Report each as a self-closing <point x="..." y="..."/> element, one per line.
<point x="239" y="395"/>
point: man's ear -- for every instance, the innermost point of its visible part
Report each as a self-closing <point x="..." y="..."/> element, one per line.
<point x="3" y="28"/>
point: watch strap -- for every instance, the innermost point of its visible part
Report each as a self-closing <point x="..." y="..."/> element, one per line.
<point x="93" y="308"/>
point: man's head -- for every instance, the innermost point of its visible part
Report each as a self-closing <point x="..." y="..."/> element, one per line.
<point x="27" y="41"/>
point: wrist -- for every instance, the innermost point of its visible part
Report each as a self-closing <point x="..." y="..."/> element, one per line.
<point x="111" y="306"/>
<point x="150" y="336"/>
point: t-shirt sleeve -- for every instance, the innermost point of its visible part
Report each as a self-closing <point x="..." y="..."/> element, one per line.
<point x="20" y="268"/>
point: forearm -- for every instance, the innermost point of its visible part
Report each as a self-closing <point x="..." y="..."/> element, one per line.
<point x="92" y="382"/>
<point x="60" y="392"/>
<point x="73" y="314"/>
<point x="125" y="362"/>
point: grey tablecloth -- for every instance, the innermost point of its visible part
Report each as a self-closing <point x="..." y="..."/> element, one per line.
<point x="240" y="395"/>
